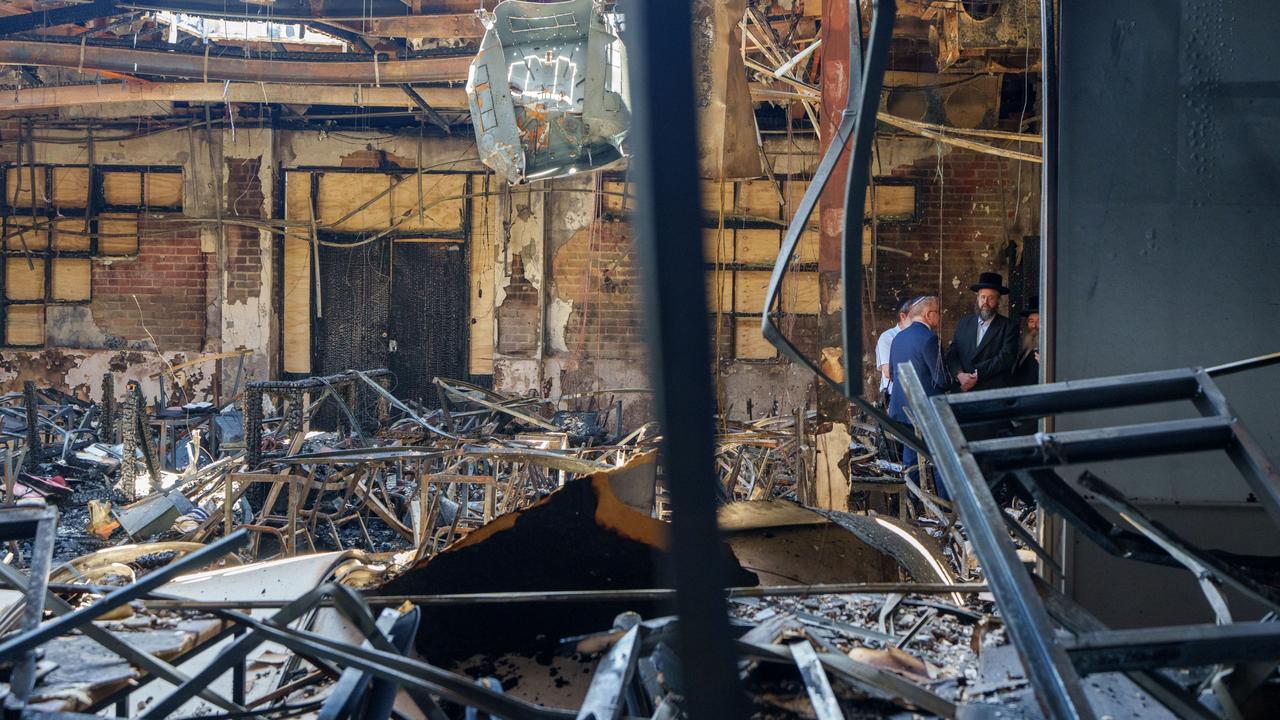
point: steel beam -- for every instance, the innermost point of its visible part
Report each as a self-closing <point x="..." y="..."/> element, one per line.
<point x="194" y="66"/>
<point x="1050" y="670"/>
<point x="1113" y="443"/>
<point x="1034" y="401"/>
<point x="1178" y="646"/>
<point x="667" y="219"/>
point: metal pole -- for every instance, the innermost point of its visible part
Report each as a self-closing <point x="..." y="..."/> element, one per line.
<point x="668" y="237"/>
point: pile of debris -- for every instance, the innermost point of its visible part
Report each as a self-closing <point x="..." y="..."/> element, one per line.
<point x="331" y="550"/>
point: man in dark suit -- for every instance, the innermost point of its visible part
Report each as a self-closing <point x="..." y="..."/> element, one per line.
<point x="917" y="344"/>
<point x="1026" y="368"/>
<point x="985" y="347"/>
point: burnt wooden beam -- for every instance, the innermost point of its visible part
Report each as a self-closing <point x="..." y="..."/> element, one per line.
<point x="58" y="16"/>
<point x="427" y="110"/>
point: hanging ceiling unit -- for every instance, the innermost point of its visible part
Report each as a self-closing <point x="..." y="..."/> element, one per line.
<point x="548" y="91"/>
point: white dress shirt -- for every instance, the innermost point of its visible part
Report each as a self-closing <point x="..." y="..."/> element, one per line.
<point x="983" y="326"/>
<point x="883" y="346"/>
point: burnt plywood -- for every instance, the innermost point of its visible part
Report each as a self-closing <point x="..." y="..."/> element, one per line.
<point x="24" y="325"/>
<point x="117" y="234"/>
<point x="17" y="183"/>
<point x="757" y="246"/>
<point x="297" y="195"/>
<point x="717" y="245"/>
<point x="71" y="187"/>
<point x="23" y="280"/>
<point x="428" y="317"/>
<point x="758" y="198"/>
<point x="341" y="194"/>
<point x="443" y="203"/>
<point x="69" y="236"/>
<point x="799" y="293"/>
<point x="749" y="343"/>
<point x="122" y="188"/>
<point x="296" y="314"/>
<point x="482" y="273"/>
<point x="71" y="279"/>
<point x="163" y="189"/>
<point x="719" y="290"/>
<point x="24" y="240"/>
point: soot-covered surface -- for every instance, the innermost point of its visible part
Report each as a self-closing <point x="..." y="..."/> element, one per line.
<point x="559" y="544"/>
<point x="428" y="317"/>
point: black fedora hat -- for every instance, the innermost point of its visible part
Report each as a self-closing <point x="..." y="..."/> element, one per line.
<point x="1033" y="306"/>
<point x="992" y="281"/>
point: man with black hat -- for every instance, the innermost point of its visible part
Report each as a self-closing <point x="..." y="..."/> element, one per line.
<point x="985" y="347"/>
<point x="1026" y="368"/>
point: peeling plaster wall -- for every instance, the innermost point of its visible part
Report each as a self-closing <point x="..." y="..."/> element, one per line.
<point x="80" y="372"/>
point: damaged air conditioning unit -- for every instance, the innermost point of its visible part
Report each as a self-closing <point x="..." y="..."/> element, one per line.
<point x="549" y="92"/>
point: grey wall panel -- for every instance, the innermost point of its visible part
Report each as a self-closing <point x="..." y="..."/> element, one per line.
<point x="1168" y="232"/>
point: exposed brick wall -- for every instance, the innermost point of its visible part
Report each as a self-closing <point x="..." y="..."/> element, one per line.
<point x="168" y="278"/>
<point x="244" y="251"/>
<point x="967" y="219"/>
<point x="595" y="270"/>
<point x="517" y="316"/>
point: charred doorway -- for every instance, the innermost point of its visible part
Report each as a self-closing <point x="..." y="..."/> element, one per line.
<point x="379" y="280"/>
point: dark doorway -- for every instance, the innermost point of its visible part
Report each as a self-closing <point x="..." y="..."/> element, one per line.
<point x="428" y="317"/>
<point x="400" y="306"/>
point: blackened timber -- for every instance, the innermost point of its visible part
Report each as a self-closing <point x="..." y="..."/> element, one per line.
<point x="426" y="108"/>
<point x="58" y="16"/>
<point x="1114" y="443"/>
<point x="1034" y="401"/>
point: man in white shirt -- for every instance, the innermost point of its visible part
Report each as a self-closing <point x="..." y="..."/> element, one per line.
<point x="883" y="346"/>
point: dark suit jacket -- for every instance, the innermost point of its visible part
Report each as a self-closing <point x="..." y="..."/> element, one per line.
<point x="919" y="346"/>
<point x="993" y="359"/>
<point x="1026" y="369"/>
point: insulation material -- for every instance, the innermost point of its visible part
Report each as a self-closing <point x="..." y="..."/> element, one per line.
<point x="749" y="343"/>
<point x="443" y="205"/>
<point x="163" y="189"/>
<point x="71" y="187"/>
<point x="428" y="317"/>
<point x="17" y="183"/>
<point x="117" y="234"/>
<point x="23" y="281"/>
<point x="482" y="273"/>
<point x="727" y="143"/>
<point x="25" y="240"/>
<point x="122" y="188"/>
<point x="71" y="279"/>
<point x="24" y="325"/>
<point x="296" y="316"/>
<point x="69" y="236"/>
